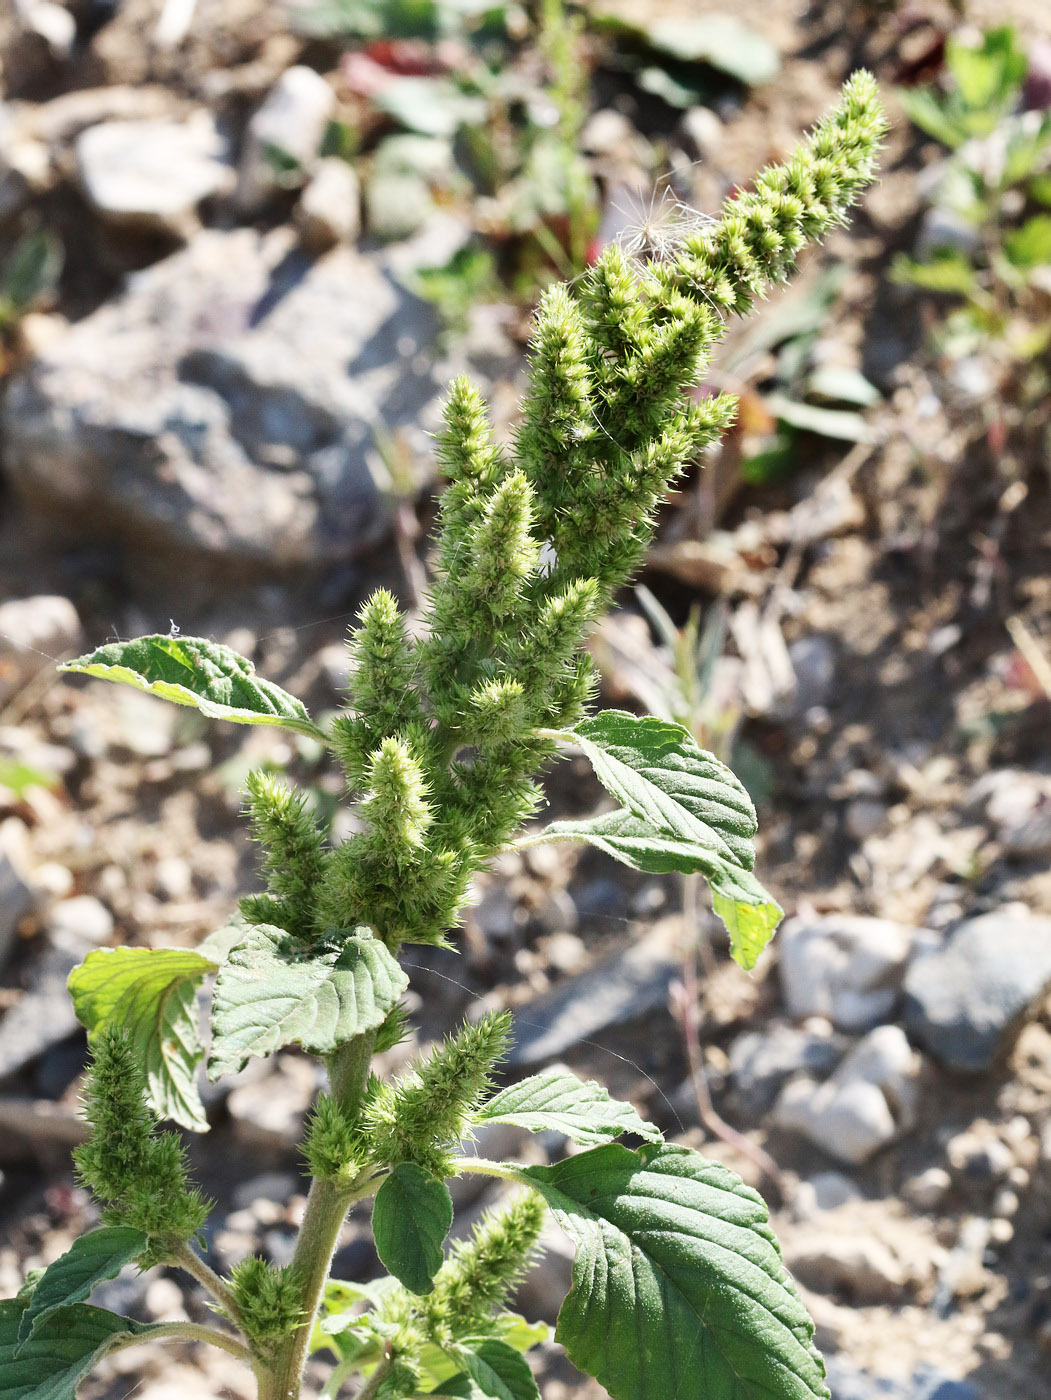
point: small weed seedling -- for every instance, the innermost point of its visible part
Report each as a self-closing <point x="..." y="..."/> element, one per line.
<point x="678" y="1289"/>
<point x="989" y="245"/>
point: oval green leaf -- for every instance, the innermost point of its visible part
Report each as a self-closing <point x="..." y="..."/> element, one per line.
<point x="557" y="1101"/>
<point x="411" y="1217"/>
<point x="678" y="1286"/>
<point x="493" y="1370"/>
<point x="211" y="677"/>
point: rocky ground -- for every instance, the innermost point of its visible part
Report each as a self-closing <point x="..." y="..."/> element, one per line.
<point x="216" y="417"/>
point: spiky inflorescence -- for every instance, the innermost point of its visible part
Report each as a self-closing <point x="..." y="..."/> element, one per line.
<point x="269" y="1302"/>
<point x="294" y="846"/>
<point x="532" y="542"/>
<point x="419" y="1116"/>
<point x="481" y="1272"/>
<point x="471" y="1287"/>
<point x="138" y="1173"/>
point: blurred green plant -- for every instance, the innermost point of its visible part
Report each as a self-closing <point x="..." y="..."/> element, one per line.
<point x="29" y="276"/>
<point x="987" y="243"/>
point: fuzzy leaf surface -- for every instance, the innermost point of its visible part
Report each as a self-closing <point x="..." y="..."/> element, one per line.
<point x="273" y="992"/>
<point x="556" y="1101"/>
<point x="678" y="1286"/>
<point x="94" y="1257"/>
<point x="151" y="993"/>
<point x="211" y="677"/>
<point x="60" y="1353"/>
<point x="682" y="810"/>
<point x="410" y="1220"/>
<point x="493" y="1370"/>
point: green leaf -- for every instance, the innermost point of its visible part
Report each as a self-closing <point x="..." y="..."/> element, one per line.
<point x="194" y="671"/>
<point x="683" y="811"/>
<point x="60" y="1353"/>
<point x="410" y="1220"/>
<point x="678" y="1286"/>
<point x="927" y="109"/>
<point x="436" y="1366"/>
<point x="842" y="384"/>
<point x="947" y="270"/>
<point x="90" y="1260"/>
<point x="493" y="1371"/>
<point x="720" y="40"/>
<point x="988" y="75"/>
<point x="430" y="106"/>
<point x="1029" y="246"/>
<point x="556" y="1101"/>
<point x="837" y="423"/>
<point x="152" y="994"/>
<point x="274" y="992"/>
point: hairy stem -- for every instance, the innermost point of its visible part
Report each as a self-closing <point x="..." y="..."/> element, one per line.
<point x="187" y="1258"/>
<point x="184" y="1332"/>
<point x="326" y="1210"/>
<point x="370" y="1387"/>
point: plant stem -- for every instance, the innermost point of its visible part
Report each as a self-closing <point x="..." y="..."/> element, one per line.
<point x="187" y="1258"/>
<point x="379" y="1375"/>
<point x="184" y="1332"/>
<point x="323" y="1218"/>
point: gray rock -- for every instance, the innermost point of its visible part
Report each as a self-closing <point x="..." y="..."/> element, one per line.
<point x="762" y="1061"/>
<point x="967" y="1001"/>
<point x="329" y="209"/>
<point x="33" y="631"/>
<point x="152" y="175"/>
<point x="847" y="968"/>
<point x="867" y="1103"/>
<point x="43" y="1015"/>
<point x="270" y="1102"/>
<point x="851" y="1261"/>
<point x="848" y="1383"/>
<point x="619" y="989"/>
<point x="292" y="121"/>
<point x="928" y="1189"/>
<point x="224" y="405"/>
<point x="16" y="899"/>
<point x="814" y="661"/>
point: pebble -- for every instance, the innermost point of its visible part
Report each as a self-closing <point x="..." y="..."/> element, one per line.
<point x="152" y="175"/>
<point x="268" y="1110"/>
<point x="851" y="1262"/>
<point x="928" y="1189"/>
<point x="34" y="631"/>
<point x="967" y="1001"/>
<point x="813" y="660"/>
<point x="270" y="1186"/>
<point x="292" y="120"/>
<point x="329" y="209"/>
<point x="82" y="918"/>
<point x="164" y="1300"/>
<point x="1019" y="805"/>
<point x="867" y="1103"/>
<point x="762" y="1061"/>
<point x="848" y="1383"/>
<point x="978" y="1156"/>
<point x="848" y="968"/>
